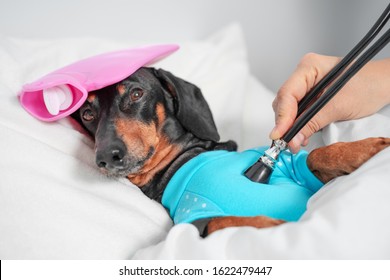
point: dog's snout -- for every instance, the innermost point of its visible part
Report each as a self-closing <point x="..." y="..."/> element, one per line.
<point x="110" y="158"/>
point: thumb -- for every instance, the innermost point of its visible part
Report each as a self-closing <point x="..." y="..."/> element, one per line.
<point x="285" y="107"/>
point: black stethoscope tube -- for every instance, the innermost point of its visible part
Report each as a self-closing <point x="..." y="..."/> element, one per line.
<point x="305" y="116"/>
<point x="337" y="70"/>
<point x="314" y="101"/>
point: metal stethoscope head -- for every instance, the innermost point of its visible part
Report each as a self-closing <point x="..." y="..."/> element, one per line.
<point x="261" y="171"/>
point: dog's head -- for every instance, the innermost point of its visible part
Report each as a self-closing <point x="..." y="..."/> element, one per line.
<point x="140" y="123"/>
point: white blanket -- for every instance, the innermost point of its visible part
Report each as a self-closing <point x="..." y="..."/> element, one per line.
<point x="54" y="203"/>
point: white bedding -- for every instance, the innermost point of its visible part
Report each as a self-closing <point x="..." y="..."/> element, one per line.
<point x="54" y="203"/>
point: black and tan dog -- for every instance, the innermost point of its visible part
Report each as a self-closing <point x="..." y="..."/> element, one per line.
<point x="148" y="125"/>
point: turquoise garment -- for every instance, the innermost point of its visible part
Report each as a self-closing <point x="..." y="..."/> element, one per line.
<point x="213" y="185"/>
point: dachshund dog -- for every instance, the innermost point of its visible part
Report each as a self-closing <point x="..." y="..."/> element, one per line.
<point x="152" y="123"/>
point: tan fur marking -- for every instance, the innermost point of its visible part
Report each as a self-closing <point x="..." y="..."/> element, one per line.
<point x="138" y="138"/>
<point x="160" y="111"/>
<point x="91" y="97"/>
<point x="121" y="88"/>
<point x="164" y="154"/>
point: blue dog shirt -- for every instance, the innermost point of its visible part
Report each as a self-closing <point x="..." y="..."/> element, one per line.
<point x="213" y="185"/>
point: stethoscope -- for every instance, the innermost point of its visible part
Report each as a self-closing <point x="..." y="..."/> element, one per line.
<point x="315" y="100"/>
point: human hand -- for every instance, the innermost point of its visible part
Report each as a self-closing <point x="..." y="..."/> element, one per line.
<point x="366" y="93"/>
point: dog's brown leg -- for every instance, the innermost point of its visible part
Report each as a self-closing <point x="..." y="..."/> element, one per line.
<point x="231" y="221"/>
<point x="343" y="158"/>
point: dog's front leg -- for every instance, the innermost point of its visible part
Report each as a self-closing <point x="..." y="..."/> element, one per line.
<point x="343" y="158"/>
<point x="232" y="221"/>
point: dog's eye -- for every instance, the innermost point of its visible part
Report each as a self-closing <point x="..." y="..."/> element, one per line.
<point x="136" y="94"/>
<point x="88" y="115"/>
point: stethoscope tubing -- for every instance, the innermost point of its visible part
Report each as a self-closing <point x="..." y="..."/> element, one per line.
<point x="314" y="101"/>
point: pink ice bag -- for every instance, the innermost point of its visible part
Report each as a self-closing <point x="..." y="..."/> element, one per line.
<point x="60" y="93"/>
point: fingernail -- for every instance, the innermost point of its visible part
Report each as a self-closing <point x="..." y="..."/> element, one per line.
<point x="273" y="134"/>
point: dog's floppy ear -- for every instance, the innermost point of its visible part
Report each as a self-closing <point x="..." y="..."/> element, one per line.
<point x="191" y="108"/>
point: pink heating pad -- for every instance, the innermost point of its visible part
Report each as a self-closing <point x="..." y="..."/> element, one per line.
<point x="60" y="93"/>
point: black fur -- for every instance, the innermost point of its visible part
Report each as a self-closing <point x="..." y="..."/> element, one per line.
<point x="188" y="123"/>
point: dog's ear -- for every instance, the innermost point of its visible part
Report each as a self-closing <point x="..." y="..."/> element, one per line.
<point x="191" y="108"/>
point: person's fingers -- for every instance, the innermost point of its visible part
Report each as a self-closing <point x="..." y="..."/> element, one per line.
<point x="310" y="70"/>
<point x="292" y="91"/>
<point x="318" y="122"/>
<point x="285" y="107"/>
<point x="296" y="143"/>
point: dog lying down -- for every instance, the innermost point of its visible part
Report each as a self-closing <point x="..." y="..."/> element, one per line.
<point x="158" y="131"/>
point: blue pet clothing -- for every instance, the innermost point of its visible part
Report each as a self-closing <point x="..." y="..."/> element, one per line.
<point x="213" y="185"/>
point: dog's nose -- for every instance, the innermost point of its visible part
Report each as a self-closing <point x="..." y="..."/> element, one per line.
<point x="110" y="158"/>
